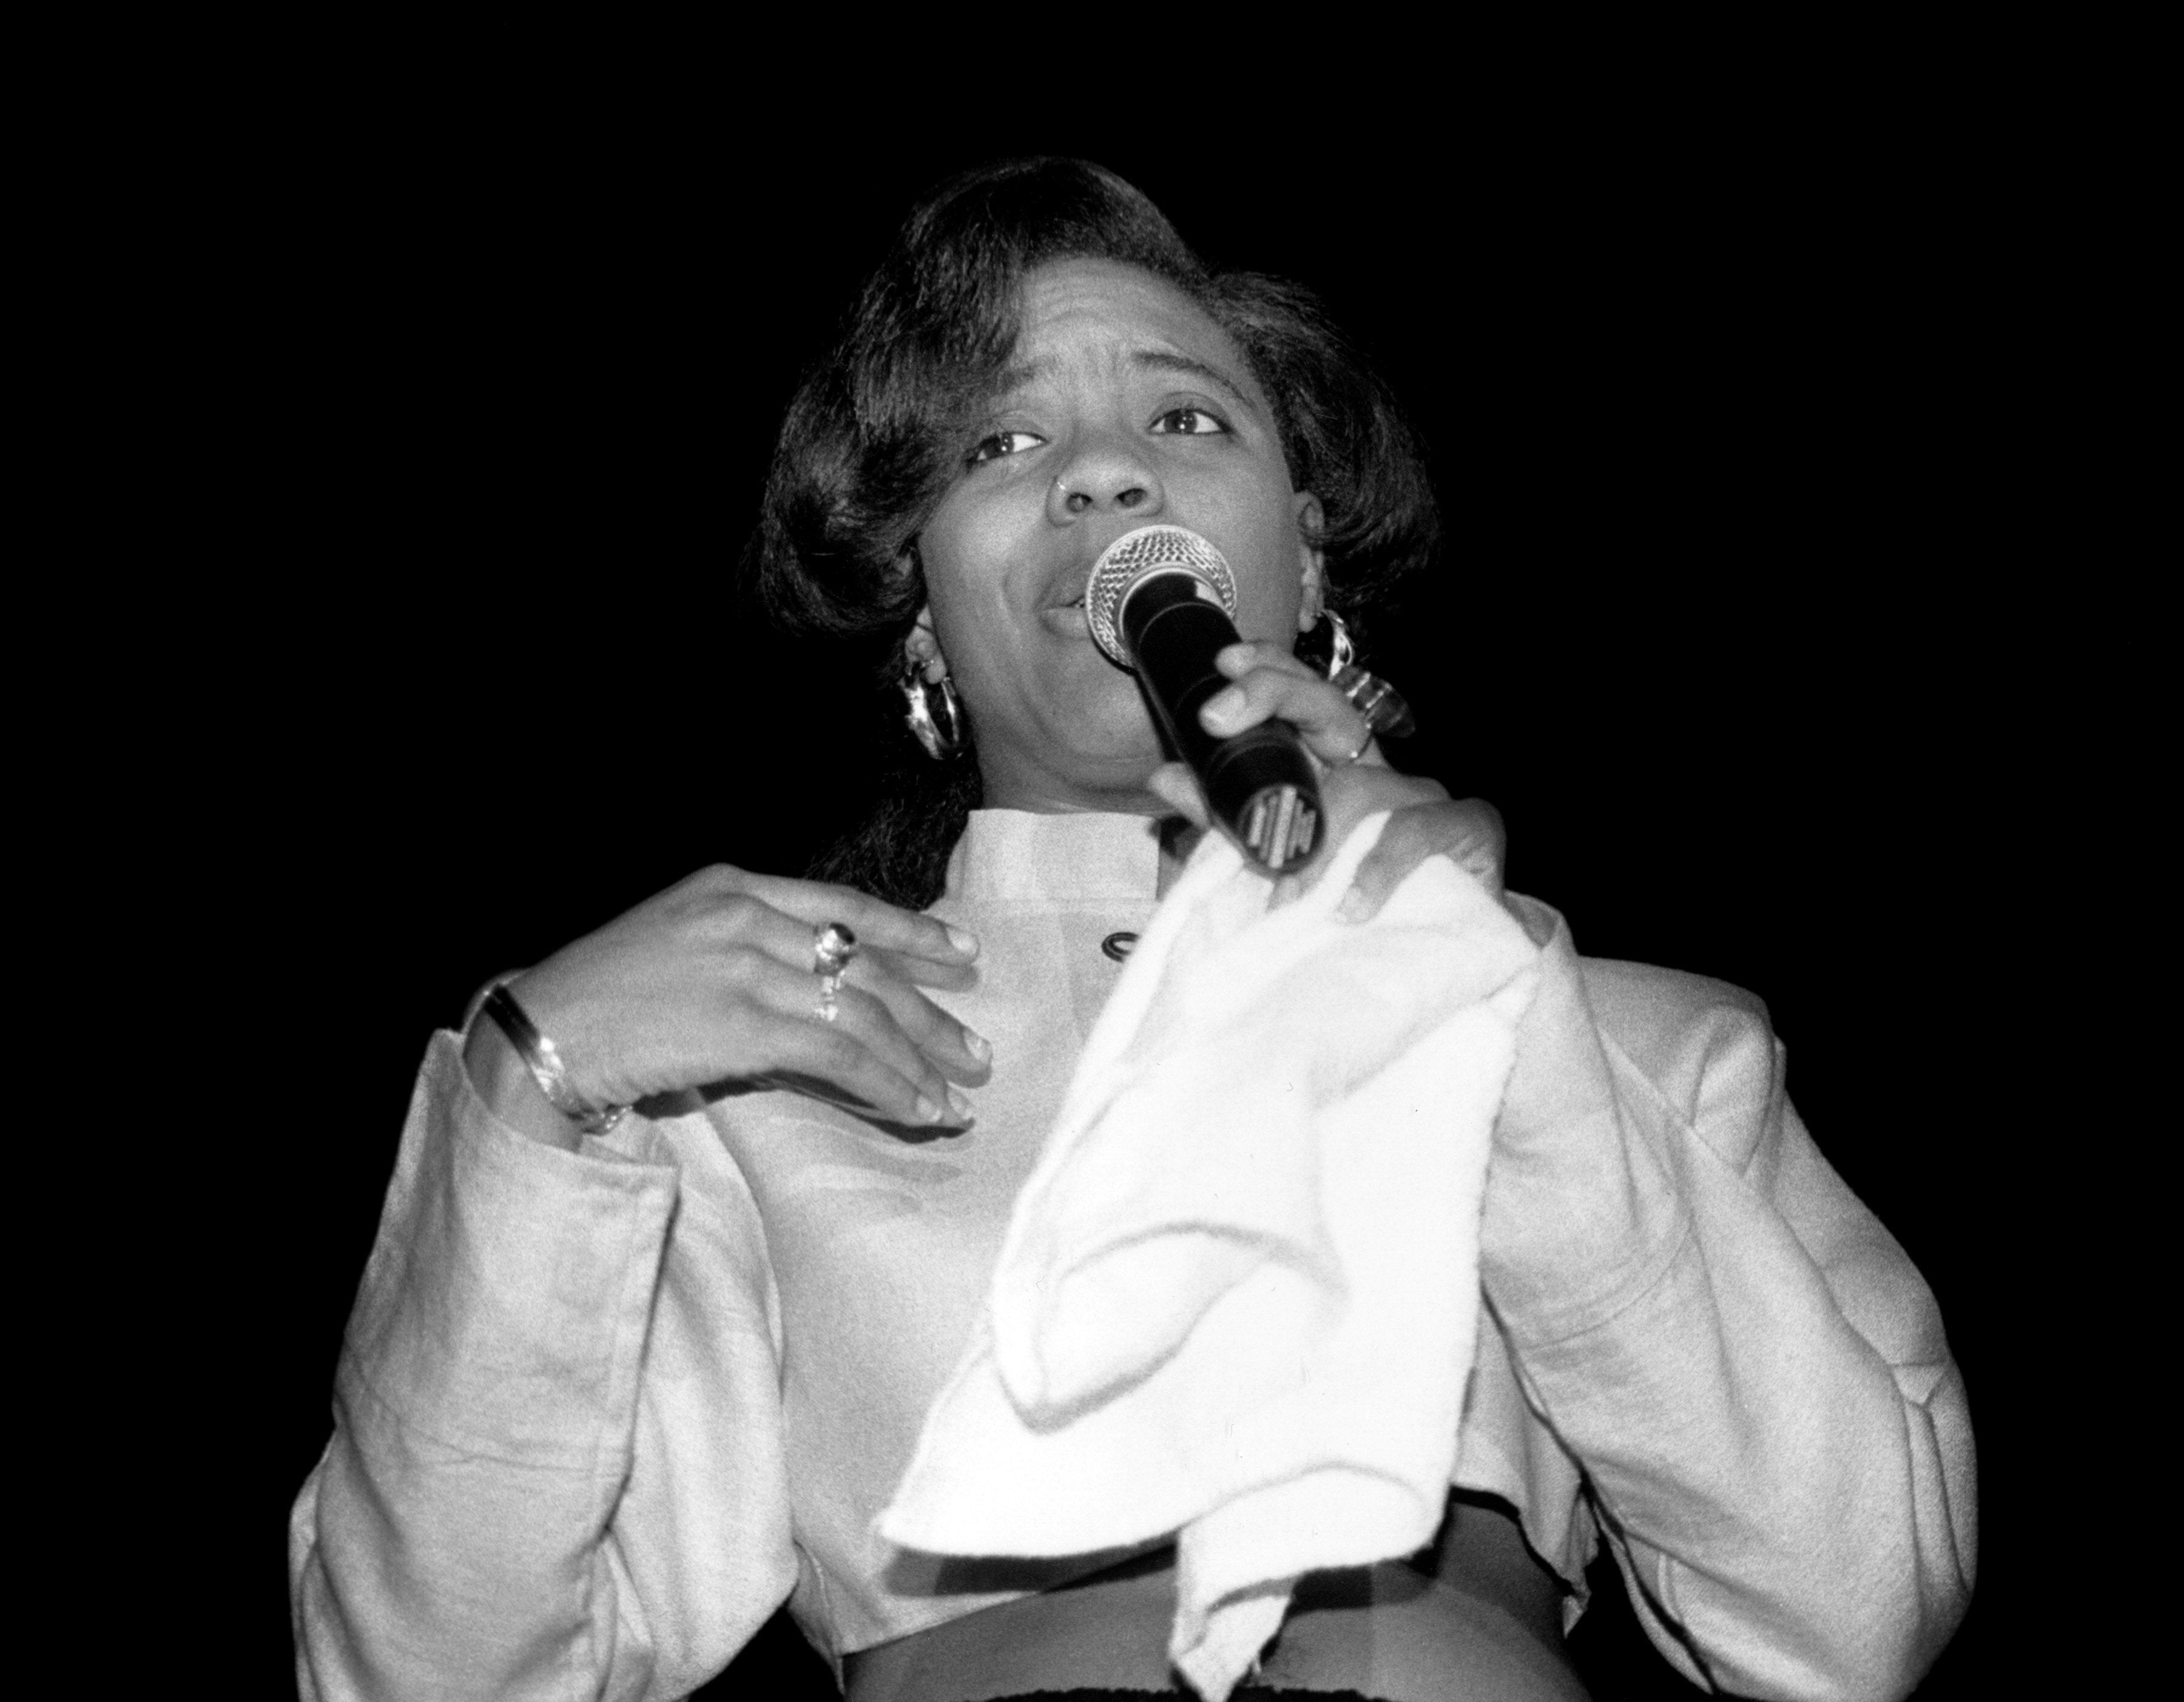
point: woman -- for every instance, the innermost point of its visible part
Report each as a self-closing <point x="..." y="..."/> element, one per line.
<point x="616" y="1386"/>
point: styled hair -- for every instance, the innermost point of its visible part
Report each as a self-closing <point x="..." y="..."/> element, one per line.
<point x="878" y="432"/>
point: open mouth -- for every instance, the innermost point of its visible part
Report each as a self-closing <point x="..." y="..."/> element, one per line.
<point x="1077" y="592"/>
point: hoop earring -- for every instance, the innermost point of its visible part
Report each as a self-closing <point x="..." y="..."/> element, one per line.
<point x="1381" y="704"/>
<point x="1343" y="651"/>
<point x="941" y="735"/>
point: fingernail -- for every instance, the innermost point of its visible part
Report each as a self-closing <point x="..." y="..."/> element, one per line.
<point x="978" y="1045"/>
<point x="927" y="1112"/>
<point x="957" y="1103"/>
<point x="1225" y="706"/>
<point x="965" y="943"/>
<point x="1355" y="906"/>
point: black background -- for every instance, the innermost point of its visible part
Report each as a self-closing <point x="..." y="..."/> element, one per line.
<point x="1708" y="407"/>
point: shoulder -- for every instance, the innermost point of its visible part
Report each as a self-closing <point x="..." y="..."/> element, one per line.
<point x="1695" y="1038"/>
<point x="1647" y="1002"/>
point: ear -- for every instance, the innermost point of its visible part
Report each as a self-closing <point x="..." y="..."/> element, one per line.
<point x="1310" y="522"/>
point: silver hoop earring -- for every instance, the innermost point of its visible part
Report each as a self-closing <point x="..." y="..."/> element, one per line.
<point x="1342" y="650"/>
<point x="1381" y="704"/>
<point x="941" y="735"/>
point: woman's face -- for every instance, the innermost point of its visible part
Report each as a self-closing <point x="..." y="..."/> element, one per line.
<point x="1126" y="406"/>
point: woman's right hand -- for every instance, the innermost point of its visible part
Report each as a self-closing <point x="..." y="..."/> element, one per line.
<point x="711" y="983"/>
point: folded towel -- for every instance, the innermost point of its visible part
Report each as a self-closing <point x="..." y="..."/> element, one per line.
<point x="1237" y="1300"/>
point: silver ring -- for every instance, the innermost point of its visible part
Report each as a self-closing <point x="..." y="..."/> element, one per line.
<point x="832" y="949"/>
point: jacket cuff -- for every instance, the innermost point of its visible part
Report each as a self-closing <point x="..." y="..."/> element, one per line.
<point x="505" y="1306"/>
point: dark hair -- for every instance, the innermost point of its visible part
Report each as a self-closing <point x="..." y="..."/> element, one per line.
<point x="875" y="435"/>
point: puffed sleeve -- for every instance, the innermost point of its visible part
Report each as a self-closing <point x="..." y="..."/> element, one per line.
<point x="1745" y="1363"/>
<point x="556" y="1466"/>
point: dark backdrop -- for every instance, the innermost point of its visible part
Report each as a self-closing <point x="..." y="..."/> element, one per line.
<point x="1705" y="420"/>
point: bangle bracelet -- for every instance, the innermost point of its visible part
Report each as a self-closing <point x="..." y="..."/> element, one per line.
<point x="544" y="1062"/>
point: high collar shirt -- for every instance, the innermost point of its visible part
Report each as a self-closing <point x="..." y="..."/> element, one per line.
<point x="600" y="1413"/>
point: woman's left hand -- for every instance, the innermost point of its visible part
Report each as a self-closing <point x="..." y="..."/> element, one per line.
<point x="1424" y="822"/>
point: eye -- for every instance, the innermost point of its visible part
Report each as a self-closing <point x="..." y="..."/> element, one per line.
<point x="1190" y="422"/>
<point x="1003" y="444"/>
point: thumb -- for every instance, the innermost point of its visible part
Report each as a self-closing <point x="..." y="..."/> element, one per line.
<point x="1177" y="786"/>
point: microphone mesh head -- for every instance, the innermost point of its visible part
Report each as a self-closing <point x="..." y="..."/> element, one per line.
<point x="1133" y="555"/>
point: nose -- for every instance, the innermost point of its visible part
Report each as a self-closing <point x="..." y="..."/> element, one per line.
<point x="1105" y="473"/>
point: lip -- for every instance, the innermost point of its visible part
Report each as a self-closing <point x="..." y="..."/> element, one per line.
<point x="1077" y="582"/>
<point x="1066" y="612"/>
<point x="1066" y="620"/>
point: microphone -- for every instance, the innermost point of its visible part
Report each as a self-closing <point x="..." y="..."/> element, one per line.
<point x="1161" y="603"/>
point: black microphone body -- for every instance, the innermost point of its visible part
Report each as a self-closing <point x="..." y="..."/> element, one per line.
<point x="1259" y="785"/>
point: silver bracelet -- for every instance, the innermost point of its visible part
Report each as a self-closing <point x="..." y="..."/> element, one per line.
<point x="544" y="1062"/>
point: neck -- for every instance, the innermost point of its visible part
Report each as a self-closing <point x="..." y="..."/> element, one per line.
<point x="1009" y="786"/>
<point x="1038" y="789"/>
<point x="1178" y="838"/>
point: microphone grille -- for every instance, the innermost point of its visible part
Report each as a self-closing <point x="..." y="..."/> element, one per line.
<point x="1133" y="555"/>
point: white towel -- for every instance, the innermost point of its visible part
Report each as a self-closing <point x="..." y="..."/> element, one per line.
<point x="1237" y="1300"/>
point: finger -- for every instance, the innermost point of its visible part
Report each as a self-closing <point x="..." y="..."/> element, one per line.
<point x="825" y="1053"/>
<point x="1239" y="659"/>
<point x="1333" y="729"/>
<point x="1401" y="848"/>
<point x="1178" y="787"/>
<point x="866" y="1016"/>
<point x="1470" y="833"/>
<point x="1486" y="851"/>
<point x="875" y="922"/>
<point x="879" y="1050"/>
<point x="957" y="1050"/>
<point x="923" y="972"/>
<point x="745" y="918"/>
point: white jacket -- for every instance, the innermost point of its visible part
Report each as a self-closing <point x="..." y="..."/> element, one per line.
<point x="600" y="1413"/>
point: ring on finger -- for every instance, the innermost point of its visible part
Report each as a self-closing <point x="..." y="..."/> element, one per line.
<point x="833" y="947"/>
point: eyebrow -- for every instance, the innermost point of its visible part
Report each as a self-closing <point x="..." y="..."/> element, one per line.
<point x="1164" y="360"/>
<point x="1019" y="374"/>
